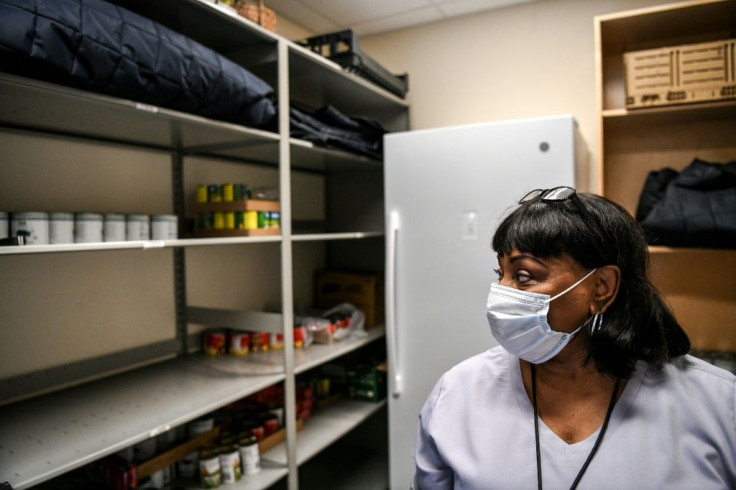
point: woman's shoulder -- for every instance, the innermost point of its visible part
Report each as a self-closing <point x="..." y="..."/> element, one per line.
<point x="486" y="365"/>
<point x="463" y="387"/>
<point x="697" y="370"/>
<point x="697" y="379"/>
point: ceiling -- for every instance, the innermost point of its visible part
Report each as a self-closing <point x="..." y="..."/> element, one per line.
<point x="374" y="16"/>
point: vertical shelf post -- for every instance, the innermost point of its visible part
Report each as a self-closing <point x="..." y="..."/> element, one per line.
<point x="287" y="294"/>
<point x="180" y="289"/>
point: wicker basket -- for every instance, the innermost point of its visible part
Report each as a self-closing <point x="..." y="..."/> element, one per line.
<point x="258" y="13"/>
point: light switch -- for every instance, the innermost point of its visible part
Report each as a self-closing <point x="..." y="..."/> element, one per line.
<point x="469" y="225"/>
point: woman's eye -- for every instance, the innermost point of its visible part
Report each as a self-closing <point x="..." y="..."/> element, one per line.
<point x="522" y="277"/>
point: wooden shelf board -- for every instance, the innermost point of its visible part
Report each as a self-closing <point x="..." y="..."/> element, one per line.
<point x="236" y="233"/>
<point x="247" y="205"/>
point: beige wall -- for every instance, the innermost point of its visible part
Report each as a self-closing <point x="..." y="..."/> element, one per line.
<point x="534" y="59"/>
<point x="290" y="30"/>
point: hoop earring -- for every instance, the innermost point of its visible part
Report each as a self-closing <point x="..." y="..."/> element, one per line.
<point x="597" y="323"/>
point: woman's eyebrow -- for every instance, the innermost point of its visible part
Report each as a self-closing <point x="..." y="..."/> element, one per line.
<point x="526" y="256"/>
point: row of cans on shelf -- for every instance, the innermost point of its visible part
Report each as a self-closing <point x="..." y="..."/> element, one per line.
<point x="238" y="220"/>
<point x="234" y="342"/>
<point x="42" y="228"/>
<point x="223" y="193"/>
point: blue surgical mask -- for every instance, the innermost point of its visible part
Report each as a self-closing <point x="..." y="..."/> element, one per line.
<point x="518" y="321"/>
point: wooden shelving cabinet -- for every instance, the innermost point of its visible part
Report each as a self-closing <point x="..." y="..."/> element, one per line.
<point x="699" y="284"/>
<point x="100" y="340"/>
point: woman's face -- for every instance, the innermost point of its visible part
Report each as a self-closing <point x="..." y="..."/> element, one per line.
<point x="550" y="276"/>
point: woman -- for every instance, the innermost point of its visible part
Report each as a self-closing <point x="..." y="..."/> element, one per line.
<point x="591" y="384"/>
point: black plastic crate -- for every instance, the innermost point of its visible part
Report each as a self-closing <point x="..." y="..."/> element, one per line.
<point x="342" y="47"/>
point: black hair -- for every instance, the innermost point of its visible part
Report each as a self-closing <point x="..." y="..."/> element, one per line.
<point x="638" y="325"/>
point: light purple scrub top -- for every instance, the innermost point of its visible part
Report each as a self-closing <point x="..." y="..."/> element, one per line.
<point x="670" y="429"/>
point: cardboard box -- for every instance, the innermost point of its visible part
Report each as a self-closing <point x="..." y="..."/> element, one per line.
<point x="680" y="74"/>
<point x="364" y="291"/>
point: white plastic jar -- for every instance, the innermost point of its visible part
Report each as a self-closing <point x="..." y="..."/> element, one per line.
<point x="87" y="228"/>
<point x="61" y="228"/>
<point x="4" y="225"/>
<point x="164" y="227"/>
<point x="34" y="226"/>
<point x="114" y="227"/>
<point x="137" y="227"/>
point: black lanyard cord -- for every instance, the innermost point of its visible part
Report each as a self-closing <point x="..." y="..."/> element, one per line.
<point x="598" y="440"/>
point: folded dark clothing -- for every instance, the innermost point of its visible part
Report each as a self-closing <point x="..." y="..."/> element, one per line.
<point x="329" y="127"/>
<point x="696" y="209"/>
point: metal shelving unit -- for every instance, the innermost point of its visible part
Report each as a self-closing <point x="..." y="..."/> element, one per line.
<point x="47" y="436"/>
<point x="104" y="406"/>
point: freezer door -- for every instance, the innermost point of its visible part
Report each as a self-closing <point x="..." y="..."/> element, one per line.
<point x="446" y="191"/>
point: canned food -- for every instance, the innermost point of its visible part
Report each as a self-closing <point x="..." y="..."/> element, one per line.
<point x="251" y="220"/>
<point x="187" y="467"/>
<point x="275" y="221"/>
<point x="279" y="413"/>
<point x="259" y="341"/>
<point x="113" y="227"/>
<point x="219" y="220"/>
<point x="250" y="458"/>
<point x="213" y="193"/>
<point x="277" y="341"/>
<point x="261" y="219"/>
<point x="227" y="192"/>
<point x="300" y="334"/>
<point x="201" y="193"/>
<point x="33" y="226"/>
<point x="164" y="227"/>
<point x="206" y="221"/>
<point x="270" y="423"/>
<point x="138" y="227"/>
<point x="230" y="462"/>
<point x="61" y="228"/>
<point x="241" y="192"/>
<point x="200" y="426"/>
<point x="239" y="344"/>
<point x="214" y="343"/>
<point x="210" y="471"/>
<point x="229" y="220"/>
<point x="87" y="228"/>
<point x="258" y="431"/>
<point x="157" y="479"/>
<point x="239" y="220"/>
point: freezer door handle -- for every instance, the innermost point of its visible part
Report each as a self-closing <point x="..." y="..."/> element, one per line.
<point x="391" y="331"/>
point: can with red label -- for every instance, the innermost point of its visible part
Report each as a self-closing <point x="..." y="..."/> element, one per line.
<point x="214" y="342"/>
<point x="259" y="341"/>
<point x="300" y="335"/>
<point x="277" y="341"/>
<point x="239" y="343"/>
<point x="270" y="423"/>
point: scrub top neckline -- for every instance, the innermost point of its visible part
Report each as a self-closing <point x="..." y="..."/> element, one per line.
<point x="622" y="408"/>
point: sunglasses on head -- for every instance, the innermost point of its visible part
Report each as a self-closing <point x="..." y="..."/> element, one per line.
<point x="560" y="194"/>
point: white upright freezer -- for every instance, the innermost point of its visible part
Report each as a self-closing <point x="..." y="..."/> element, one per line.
<point x="446" y="191"/>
